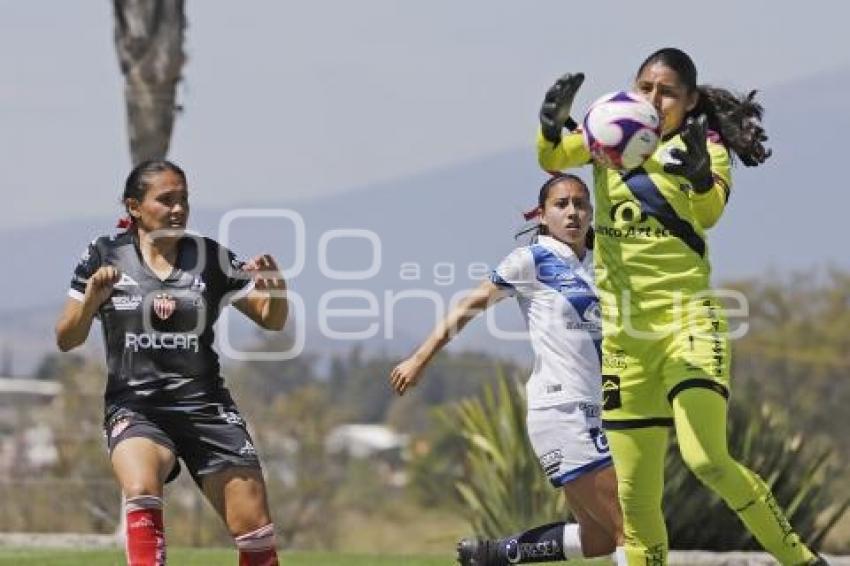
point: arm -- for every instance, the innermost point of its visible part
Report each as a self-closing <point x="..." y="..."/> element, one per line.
<point x="74" y="323"/>
<point x="569" y="152"/>
<point x="407" y="373"/>
<point x="556" y="152"/>
<point x="708" y="206"/>
<point x="704" y="164"/>
<point x="266" y="303"/>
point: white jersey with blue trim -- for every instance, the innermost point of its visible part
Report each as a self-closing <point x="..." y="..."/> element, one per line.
<point x="558" y="298"/>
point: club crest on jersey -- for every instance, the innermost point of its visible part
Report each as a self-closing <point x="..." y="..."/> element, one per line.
<point x="164" y="305"/>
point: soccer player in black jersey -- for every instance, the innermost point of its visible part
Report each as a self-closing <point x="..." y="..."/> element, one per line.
<point x="157" y="291"/>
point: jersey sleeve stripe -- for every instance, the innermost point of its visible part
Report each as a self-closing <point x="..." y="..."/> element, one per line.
<point x="497" y="280"/>
<point x="74" y="294"/>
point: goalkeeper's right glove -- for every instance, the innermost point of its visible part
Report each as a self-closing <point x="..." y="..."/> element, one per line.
<point x="555" y="111"/>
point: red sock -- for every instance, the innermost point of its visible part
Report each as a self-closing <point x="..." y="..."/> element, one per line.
<point x="145" y="533"/>
<point x="257" y="548"/>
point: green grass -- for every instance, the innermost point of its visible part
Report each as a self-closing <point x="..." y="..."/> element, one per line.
<point x="207" y="557"/>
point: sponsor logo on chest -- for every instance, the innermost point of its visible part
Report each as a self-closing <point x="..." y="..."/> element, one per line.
<point x="126" y="302"/>
<point x="160" y="341"/>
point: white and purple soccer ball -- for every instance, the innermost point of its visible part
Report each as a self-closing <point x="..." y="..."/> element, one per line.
<point x="621" y="130"/>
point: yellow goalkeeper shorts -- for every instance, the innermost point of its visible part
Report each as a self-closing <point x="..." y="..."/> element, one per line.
<point x="647" y="362"/>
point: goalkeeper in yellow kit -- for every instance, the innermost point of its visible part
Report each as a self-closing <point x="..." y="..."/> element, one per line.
<point x="666" y="345"/>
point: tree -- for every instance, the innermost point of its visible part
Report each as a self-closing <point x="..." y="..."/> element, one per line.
<point x="149" y="42"/>
<point x="798" y="345"/>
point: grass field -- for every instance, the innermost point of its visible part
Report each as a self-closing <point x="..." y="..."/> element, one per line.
<point x="227" y="557"/>
<point x="208" y="557"/>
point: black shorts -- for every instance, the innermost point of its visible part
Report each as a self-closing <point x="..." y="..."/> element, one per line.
<point x="208" y="437"/>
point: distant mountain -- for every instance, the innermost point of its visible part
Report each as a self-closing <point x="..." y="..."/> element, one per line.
<point x="786" y="215"/>
<point x="441" y="222"/>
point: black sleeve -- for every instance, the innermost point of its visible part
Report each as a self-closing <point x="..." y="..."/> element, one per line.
<point x="231" y="271"/>
<point x="90" y="261"/>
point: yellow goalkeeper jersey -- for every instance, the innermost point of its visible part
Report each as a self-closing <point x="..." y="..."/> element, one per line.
<point x="651" y="251"/>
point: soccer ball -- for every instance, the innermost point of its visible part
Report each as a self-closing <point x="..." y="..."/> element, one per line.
<point x="621" y="130"/>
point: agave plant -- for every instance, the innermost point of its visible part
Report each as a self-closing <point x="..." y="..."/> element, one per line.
<point x="503" y="490"/>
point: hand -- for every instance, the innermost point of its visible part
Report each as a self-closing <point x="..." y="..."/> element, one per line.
<point x="100" y="286"/>
<point x="406" y="375"/>
<point x="694" y="163"/>
<point x="555" y="111"/>
<point x="265" y="273"/>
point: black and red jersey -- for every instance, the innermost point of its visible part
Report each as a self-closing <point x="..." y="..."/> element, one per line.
<point x="158" y="333"/>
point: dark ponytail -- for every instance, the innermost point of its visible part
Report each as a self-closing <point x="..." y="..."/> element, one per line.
<point x="735" y="118"/>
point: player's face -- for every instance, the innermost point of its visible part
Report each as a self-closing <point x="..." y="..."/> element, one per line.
<point x="661" y="87"/>
<point x="165" y="205"/>
<point x="567" y="213"/>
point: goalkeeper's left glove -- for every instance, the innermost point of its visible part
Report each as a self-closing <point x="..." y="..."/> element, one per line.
<point x="694" y="163"/>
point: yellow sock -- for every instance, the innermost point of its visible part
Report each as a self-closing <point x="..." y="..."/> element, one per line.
<point x="700" y="417"/>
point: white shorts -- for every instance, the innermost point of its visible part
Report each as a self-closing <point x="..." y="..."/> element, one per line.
<point x="568" y="440"/>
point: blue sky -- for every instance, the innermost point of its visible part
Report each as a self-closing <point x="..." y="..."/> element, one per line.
<point x="415" y="120"/>
<point x="297" y="100"/>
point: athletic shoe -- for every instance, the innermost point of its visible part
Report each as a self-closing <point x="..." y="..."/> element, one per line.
<point x="476" y="552"/>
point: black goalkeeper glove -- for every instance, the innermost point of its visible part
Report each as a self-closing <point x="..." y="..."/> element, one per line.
<point x="555" y="111"/>
<point x="694" y="163"/>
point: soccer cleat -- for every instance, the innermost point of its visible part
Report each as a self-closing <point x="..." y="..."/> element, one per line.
<point x="819" y="561"/>
<point x="476" y="552"/>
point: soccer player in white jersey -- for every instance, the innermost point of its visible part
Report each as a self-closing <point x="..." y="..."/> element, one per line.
<point x="552" y="279"/>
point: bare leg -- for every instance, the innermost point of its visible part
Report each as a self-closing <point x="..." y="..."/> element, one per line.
<point x="593" y="501"/>
<point x="239" y="497"/>
<point x="141" y="466"/>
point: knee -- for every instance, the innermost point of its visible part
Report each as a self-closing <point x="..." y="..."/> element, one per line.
<point x="638" y="501"/>
<point x="709" y="471"/>
<point x="244" y="522"/>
